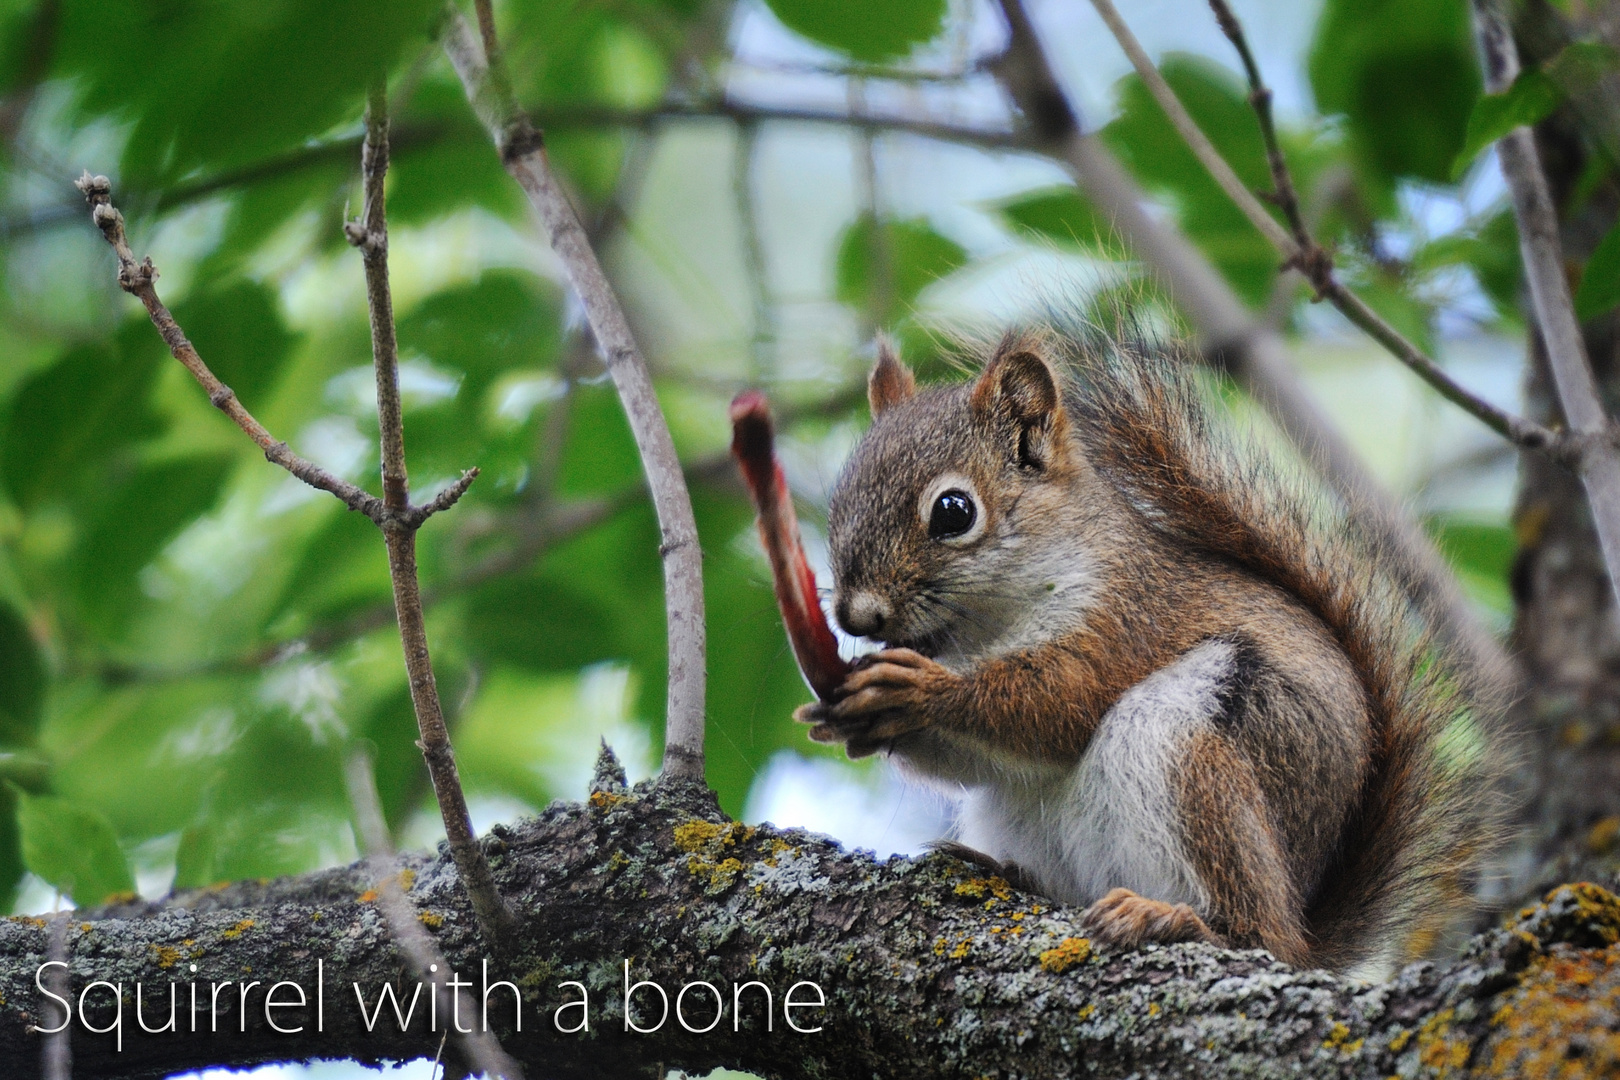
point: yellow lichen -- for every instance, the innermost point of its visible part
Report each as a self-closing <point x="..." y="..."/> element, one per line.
<point x="1069" y="952"/>
<point x="605" y="800"/>
<point x="430" y="920"/>
<point x="696" y="835"/>
<point x="1558" y="1022"/>
<point x="368" y="897"/>
<point x="167" y="955"/>
<point x="1443" y="1054"/>
<point x="1086" y="1011"/>
<point x="961" y="950"/>
<point x="721" y="875"/>
<point x="1398" y="1043"/>
<point x="1339" y="1039"/>
<point x="979" y="888"/>
<point x="237" y="930"/>
<point x="1597" y="908"/>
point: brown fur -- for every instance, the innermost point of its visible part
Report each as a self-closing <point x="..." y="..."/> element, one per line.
<point x="1323" y="811"/>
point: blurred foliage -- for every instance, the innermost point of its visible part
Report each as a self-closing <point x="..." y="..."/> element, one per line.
<point x="190" y="643"/>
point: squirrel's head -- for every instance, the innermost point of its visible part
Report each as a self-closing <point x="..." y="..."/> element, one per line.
<point x="963" y="512"/>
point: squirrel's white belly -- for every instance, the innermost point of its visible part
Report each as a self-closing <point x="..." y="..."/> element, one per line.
<point x="1109" y="821"/>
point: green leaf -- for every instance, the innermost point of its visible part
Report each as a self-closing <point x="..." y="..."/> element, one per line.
<point x="11" y="860"/>
<point x="22" y="684"/>
<point x="882" y="270"/>
<point x="863" y="29"/>
<point x="73" y="847"/>
<point x="440" y="160"/>
<point x="1491" y="250"/>
<point x="131" y="526"/>
<point x="1063" y="216"/>
<point x="1404" y="75"/>
<point x="1150" y="146"/>
<point x="1531" y="99"/>
<point x="274" y="803"/>
<point x="239" y="333"/>
<point x="69" y="420"/>
<point x="209" y="85"/>
<point x="1600" y="281"/>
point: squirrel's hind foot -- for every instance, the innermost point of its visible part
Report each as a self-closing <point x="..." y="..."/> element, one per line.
<point x="1128" y="921"/>
<point x="1008" y="871"/>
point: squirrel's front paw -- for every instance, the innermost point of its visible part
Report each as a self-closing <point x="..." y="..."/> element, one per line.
<point x="1124" y="919"/>
<point x="891" y="694"/>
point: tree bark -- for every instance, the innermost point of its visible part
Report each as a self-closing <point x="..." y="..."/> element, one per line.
<point x="928" y="969"/>
<point x="1566" y="628"/>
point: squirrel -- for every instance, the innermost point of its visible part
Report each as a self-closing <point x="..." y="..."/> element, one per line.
<point x="1167" y="681"/>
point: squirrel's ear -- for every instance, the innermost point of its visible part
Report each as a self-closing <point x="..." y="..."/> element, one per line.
<point x="891" y="382"/>
<point x="1020" y="390"/>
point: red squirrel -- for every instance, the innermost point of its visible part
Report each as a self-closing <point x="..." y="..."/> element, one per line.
<point x="1165" y="679"/>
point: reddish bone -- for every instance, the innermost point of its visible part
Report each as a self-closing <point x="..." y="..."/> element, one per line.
<point x="814" y="645"/>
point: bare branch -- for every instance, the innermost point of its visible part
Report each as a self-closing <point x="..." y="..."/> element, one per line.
<point x="56" y="1057"/>
<point x="1286" y="196"/>
<point x="445" y="499"/>
<point x="136" y="278"/>
<point x="1542" y="252"/>
<point x="1193" y="135"/>
<point x="482" y="1048"/>
<point x="1254" y="354"/>
<point x="1299" y="249"/>
<point x="370" y="236"/>
<point x="523" y="152"/>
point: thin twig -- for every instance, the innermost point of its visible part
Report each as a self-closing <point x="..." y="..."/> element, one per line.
<point x="370" y="236"/>
<point x="136" y="278"/>
<point x="422" y="134"/>
<point x="523" y="153"/>
<point x="1298" y="249"/>
<point x="1232" y="337"/>
<point x="1304" y="253"/>
<point x="482" y="1048"/>
<point x="1192" y="134"/>
<point x="1542" y="252"/>
<point x="1287" y="198"/>
<point x="56" y="1056"/>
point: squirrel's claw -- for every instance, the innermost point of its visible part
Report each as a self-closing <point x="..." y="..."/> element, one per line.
<point x="1128" y="921"/>
<point x="887" y="696"/>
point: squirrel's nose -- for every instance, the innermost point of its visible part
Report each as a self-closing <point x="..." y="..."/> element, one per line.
<point x="863" y="614"/>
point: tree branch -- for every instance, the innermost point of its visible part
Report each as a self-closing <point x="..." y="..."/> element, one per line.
<point x="928" y="969"/>
<point x="1298" y="249"/>
<point x="1233" y="338"/>
<point x="522" y="151"/>
<point x="1542" y="252"/>
<point x="56" y="1056"/>
<point x="370" y="236"/>
<point x="482" y="1048"/>
<point x="136" y="278"/>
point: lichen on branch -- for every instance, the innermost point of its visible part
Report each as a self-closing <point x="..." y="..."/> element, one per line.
<point x="929" y="969"/>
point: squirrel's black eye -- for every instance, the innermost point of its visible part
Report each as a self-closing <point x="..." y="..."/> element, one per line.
<point x="953" y="514"/>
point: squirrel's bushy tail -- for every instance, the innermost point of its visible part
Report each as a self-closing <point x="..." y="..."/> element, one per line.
<point x="1427" y="810"/>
